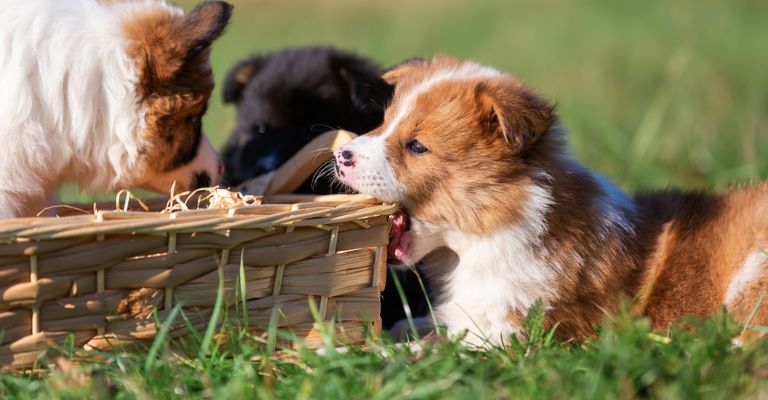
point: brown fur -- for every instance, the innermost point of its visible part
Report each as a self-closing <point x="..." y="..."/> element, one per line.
<point x="505" y="109"/>
<point x="704" y="243"/>
<point x="175" y="78"/>
<point x="489" y="137"/>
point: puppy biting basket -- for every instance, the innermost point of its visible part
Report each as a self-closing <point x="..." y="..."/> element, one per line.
<point x="94" y="280"/>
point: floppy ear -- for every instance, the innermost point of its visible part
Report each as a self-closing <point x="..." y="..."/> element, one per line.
<point x="238" y="78"/>
<point x="363" y="79"/>
<point x="396" y="72"/>
<point x="166" y="42"/>
<point x="511" y="109"/>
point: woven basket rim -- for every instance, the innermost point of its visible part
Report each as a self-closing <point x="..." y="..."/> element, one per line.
<point x="275" y="211"/>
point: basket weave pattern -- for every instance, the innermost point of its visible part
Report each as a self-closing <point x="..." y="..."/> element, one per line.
<point x="96" y="280"/>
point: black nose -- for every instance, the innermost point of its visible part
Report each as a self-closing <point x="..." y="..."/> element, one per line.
<point x="200" y="180"/>
<point x="346" y="154"/>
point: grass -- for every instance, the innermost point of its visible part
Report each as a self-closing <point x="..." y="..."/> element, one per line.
<point x="654" y="93"/>
<point x="627" y="360"/>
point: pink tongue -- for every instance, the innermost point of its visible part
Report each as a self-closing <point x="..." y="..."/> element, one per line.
<point x="396" y="243"/>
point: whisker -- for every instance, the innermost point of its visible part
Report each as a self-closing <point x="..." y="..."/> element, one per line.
<point x="328" y="127"/>
<point x="325" y="170"/>
<point x="320" y="150"/>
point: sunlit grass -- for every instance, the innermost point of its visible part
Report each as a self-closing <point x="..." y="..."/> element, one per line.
<point x="693" y="360"/>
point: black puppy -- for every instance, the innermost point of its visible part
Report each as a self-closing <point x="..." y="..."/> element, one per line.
<point x="284" y="100"/>
<point x="287" y="98"/>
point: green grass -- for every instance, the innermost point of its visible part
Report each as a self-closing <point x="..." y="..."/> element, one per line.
<point x="654" y="93"/>
<point x="627" y="360"/>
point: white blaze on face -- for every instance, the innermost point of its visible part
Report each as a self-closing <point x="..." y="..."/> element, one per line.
<point x="368" y="171"/>
<point x="366" y="167"/>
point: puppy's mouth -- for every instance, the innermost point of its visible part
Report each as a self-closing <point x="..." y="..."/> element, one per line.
<point x="400" y="237"/>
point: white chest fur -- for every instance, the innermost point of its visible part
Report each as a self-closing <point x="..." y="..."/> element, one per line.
<point x="498" y="276"/>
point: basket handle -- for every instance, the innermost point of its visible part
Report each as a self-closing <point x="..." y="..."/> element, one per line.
<point x="298" y="168"/>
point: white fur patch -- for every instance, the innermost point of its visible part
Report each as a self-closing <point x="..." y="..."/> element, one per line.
<point x="498" y="274"/>
<point x="753" y="268"/>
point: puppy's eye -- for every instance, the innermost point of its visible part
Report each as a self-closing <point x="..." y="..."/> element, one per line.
<point x="415" y="147"/>
<point x="260" y="128"/>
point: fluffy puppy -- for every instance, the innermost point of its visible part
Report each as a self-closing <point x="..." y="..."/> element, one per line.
<point x="479" y="161"/>
<point x="286" y="98"/>
<point x="106" y="94"/>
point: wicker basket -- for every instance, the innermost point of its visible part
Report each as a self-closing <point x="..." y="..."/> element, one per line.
<point x="95" y="279"/>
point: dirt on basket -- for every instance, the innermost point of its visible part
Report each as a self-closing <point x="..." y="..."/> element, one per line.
<point x="140" y="303"/>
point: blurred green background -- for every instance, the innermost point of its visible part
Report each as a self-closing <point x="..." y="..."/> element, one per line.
<point x="654" y="93"/>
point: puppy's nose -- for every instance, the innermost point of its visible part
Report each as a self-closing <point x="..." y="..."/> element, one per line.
<point x="346" y="154"/>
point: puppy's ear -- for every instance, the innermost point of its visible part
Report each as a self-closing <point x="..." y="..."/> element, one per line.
<point x="238" y="78"/>
<point x="396" y="72"/>
<point x="203" y="25"/>
<point x="363" y="80"/>
<point x="164" y="42"/>
<point x="511" y="109"/>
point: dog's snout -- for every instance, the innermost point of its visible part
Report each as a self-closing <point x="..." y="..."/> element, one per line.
<point x="345" y="157"/>
<point x="344" y="162"/>
<point x="200" y="179"/>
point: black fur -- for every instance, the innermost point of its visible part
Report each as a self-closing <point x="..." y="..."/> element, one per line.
<point x="287" y="98"/>
<point x="186" y="154"/>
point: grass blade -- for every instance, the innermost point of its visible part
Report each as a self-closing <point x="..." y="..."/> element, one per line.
<point x="406" y="306"/>
<point x="243" y="295"/>
<point x="160" y="338"/>
<point x="272" y="330"/>
<point x="758" y="328"/>
<point x="748" y="322"/>
<point x="211" y="329"/>
<point x="429" y="302"/>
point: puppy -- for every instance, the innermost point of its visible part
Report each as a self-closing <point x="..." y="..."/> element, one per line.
<point x="106" y="94"/>
<point x="286" y="98"/>
<point x="478" y="159"/>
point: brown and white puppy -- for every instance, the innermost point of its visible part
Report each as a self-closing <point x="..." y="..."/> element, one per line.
<point x="107" y="94"/>
<point x="479" y="162"/>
